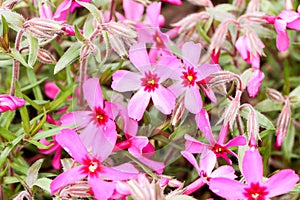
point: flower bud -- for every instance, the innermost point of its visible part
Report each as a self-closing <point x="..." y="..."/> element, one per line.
<point x="223" y="77"/>
<point x="177" y="112"/>
<point x="43" y="28"/>
<point x="9" y="4"/>
<point x="283" y="122"/>
<point x="11" y="103"/>
<point x="79" y="189"/>
<point x="275" y="95"/>
<point x="45" y="57"/>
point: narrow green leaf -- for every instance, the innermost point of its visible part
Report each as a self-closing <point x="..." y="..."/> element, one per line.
<point x="23" y="111"/>
<point x="51" y="132"/>
<point x="288" y="143"/>
<point x="202" y="33"/>
<point x="38" y="144"/>
<point x="23" y="183"/>
<point x="5" y="30"/>
<point x="36" y="90"/>
<point x="14" y="20"/>
<point x="33" y="172"/>
<point x="61" y="98"/>
<point x="16" y="55"/>
<point x="6" y="134"/>
<point x="4" y="154"/>
<point x="39" y="125"/>
<point x="68" y="57"/>
<point x="44" y="183"/>
<point x="93" y="10"/>
<point x="32" y="85"/>
<point x="33" y="49"/>
<point x="267" y="106"/>
<point x="78" y="35"/>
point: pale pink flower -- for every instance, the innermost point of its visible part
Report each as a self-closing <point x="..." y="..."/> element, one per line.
<point x="147" y="82"/>
<point x="286" y="19"/>
<point x="254" y="188"/>
<point x="218" y="147"/>
<point x="92" y="167"/>
<point x="96" y="121"/>
<point x="205" y="171"/>
<point x="189" y="75"/>
<point x="8" y="102"/>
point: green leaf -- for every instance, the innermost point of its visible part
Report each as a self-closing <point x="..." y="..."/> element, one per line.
<point x="61" y="98"/>
<point x="33" y="172"/>
<point x="262" y="120"/>
<point x="78" y="35"/>
<point x="5" y="31"/>
<point x="32" y="79"/>
<point x="51" y="132"/>
<point x="33" y="49"/>
<point x="4" y="154"/>
<point x="93" y="10"/>
<point x="16" y="55"/>
<point x="68" y="57"/>
<point x="288" y="143"/>
<point x="6" y="134"/>
<point x="44" y="183"/>
<point x="14" y="20"/>
<point x="267" y="106"/>
<point x="38" y="144"/>
<point x="23" y="111"/>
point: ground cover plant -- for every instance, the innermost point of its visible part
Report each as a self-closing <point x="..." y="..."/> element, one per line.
<point x="149" y="100"/>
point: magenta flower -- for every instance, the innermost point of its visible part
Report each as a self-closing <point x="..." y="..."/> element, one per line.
<point x="189" y="75"/>
<point x="147" y="82"/>
<point x="91" y="165"/>
<point x="218" y="147"/>
<point x="286" y="19"/>
<point x="174" y="2"/>
<point x="8" y="102"/>
<point x="97" y="120"/>
<point x="253" y="86"/>
<point x="254" y="188"/>
<point x="205" y="171"/>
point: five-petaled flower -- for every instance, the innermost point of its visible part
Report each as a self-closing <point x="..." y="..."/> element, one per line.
<point x="99" y="176"/>
<point x="254" y="188"/>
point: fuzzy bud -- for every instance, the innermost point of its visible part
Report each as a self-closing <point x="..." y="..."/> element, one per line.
<point x="223" y="77"/>
<point x="43" y="28"/>
<point x="274" y="95"/>
<point x="79" y="189"/>
<point x="177" y="112"/>
<point x="9" y="4"/>
<point x="191" y="21"/>
<point x="11" y="103"/>
<point x="283" y="122"/>
<point x="45" y="57"/>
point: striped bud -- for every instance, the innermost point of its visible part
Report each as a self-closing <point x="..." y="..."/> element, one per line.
<point x="274" y="95"/>
<point x="283" y="122"/>
<point x="45" y="57"/>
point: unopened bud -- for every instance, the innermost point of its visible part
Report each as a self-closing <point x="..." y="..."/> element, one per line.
<point x="8" y="102"/>
<point x="45" y="57"/>
<point x="87" y="49"/>
<point x="289" y="4"/>
<point x="283" y="122"/>
<point x="191" y="21"/>
<point x="223" y="77"/>
<point x="274" y="95"/>
<point x="79" y="189"/>
<point x="219" y="37"/>
<point x="232" y="110"/>
<point x="252" y="126"/>
<point x="178" y="112"/>
<point x="253" y="6"/>
<point x="43" y="28"/>
<point x="205" y="3"/>
<point x="9" y="4"/>
<point x="22" y="195"/>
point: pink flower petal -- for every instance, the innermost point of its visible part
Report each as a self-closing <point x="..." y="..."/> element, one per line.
<point x="224" y="171"/>
<point x="164" y="100"/>
<point x="79" y="118"/>
<point x="72" y="144"/>
<point x="153" y="11"/>
<point x="174" y="2"/>
<point x="8" y="102"/>
<point x="242" y="47"/>
<point x="237" y="141"/>
<point x="192" y="100"/>
<point x="295" y="25"/>
<point x="209" y="93"/>
<point x="122" y="172"/>
<point x="282" y="39"/>
<point x="227" y="188"/>
<point x="194" y="146"/>
<point x="207" y="69"/>
<point x="66" y="178"/>
<point x="145" y="34"/>
<point x="281" y="182"/>
<point x="288" y="15"/>
<point x="194" y="186"/>
<point x="138" y="104"/>
<point x="208" y="161"/>
<point x="187" y="155"/>
<point x="177" y="88"/>
<point x="62" y="11"/>
<point x="45" y="11"/>
<point x="139" y="57"/>
<point x="133" y="10"/>
<point x="202" y="120"/>
<point x="255" y="82"/>
<point x="124" y="81"/>
<point x="92" y="93"/>
<point x="56" y="160"/>
<point x="252" y="166"/>
<point x="101" y="189"/>
<point x="191" y="53"/>
<point x="157" y="167"/>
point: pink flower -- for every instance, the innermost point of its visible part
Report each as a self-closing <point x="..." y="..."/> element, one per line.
<point x="205" y="171"/>
<point x="174" y="2"/>
<point x="147" y="82"/>
<point x="91" y="165"/>
<point x="218" y="147"/>
<point x="8" y="102"/>
<point x="286" y="19"/>
<point x="189" y="75"/>
<point x="133" y="11"/>
<point x="97" y="120"/>
<point x="254" y="188"/>
<point x="254" y="83"/>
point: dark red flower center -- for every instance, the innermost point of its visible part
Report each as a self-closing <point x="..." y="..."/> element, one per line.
<point x="159" y="42"/>
<point x="100" y="116"/>
<point x="150" y="81"/>
<point x="203" y="174"/>
<point x="219" y="150"/>
<point x="255" y="192"/>
<point x="92" y="166"/>
<point x="189" y="77"/>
